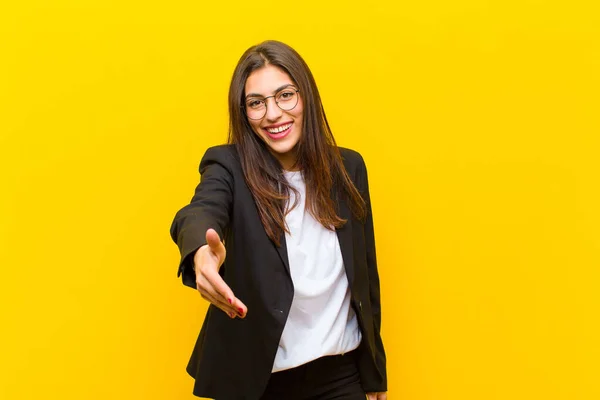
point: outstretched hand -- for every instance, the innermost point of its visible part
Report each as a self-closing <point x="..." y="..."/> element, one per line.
<point x="207" y="261"/>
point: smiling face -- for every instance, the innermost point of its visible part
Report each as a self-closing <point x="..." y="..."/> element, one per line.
<point x="280" y="130"/>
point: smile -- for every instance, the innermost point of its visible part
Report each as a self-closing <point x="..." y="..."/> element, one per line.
<point x="279" y="132"/>
<point x="279" y="128"/>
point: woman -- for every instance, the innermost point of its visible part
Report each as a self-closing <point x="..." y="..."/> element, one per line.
<point x="279" y="239"/>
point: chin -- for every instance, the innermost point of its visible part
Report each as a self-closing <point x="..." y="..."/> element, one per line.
<point x="280" y="146"/>
<point x="281" y="150"/>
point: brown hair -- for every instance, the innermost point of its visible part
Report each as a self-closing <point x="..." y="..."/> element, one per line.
<point x="318" y="155"/>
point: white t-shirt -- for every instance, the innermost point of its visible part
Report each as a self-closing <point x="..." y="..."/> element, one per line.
<point x="321" y="321"/>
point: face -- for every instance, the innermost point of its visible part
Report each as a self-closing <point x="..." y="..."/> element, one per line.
<point x="279" y="129"/>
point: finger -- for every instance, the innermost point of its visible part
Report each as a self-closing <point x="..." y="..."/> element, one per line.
<point x="226" y="308"/>
<point x="240" y="307"/>
<point x="371" y="396"/>
<point x="205" y="288"/>
<point x="215" y="244"/>
<point x="382" y="396"/>
<point x="222" y="290"/>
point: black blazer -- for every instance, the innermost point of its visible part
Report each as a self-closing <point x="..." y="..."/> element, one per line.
<point x="233" y="358"/>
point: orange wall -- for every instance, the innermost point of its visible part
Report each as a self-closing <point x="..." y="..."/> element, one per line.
<point x="479" y="124"/>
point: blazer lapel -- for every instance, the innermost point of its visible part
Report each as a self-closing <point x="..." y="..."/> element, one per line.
<point x="282" y="250"/>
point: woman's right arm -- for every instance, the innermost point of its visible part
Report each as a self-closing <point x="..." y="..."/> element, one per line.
<point x="209" y="209"/>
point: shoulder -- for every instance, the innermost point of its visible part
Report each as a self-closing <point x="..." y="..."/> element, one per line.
<point x="350" y="156"/>
<point x="225" y="155"/>
<point x="223" y="151"/>
<point x="353" y="160"/>
<point x="356" y="168"/>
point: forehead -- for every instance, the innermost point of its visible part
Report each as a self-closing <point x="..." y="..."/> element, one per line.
<point x="266" y="80"/>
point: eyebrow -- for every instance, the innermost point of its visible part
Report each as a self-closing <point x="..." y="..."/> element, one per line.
<point x="275" y="92"/>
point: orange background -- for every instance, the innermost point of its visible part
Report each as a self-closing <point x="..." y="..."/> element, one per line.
<point x="479" y="124"/>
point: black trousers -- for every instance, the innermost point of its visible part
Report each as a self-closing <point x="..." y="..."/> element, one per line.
<point x="326" y="378"/>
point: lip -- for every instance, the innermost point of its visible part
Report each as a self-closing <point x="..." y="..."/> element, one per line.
<point x="277" y="125"/>
<point x="279" y="135"/>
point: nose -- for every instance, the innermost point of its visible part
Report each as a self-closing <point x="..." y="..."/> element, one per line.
<point x="273" y="110"/>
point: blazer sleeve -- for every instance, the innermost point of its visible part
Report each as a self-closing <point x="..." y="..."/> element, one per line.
<point x="374" y="287"/>
<point x="210" y="207"/>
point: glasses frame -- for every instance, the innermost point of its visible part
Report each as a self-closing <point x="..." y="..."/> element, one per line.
<point x="264" y="99"/>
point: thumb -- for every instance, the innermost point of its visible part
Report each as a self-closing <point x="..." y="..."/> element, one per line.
<point x="214" y="242"/>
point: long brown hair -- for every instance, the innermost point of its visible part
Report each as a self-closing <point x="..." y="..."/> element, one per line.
<point x="318" y="155"/>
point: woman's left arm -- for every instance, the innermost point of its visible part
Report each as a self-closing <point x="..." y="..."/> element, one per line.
<point x="374" y="287"/>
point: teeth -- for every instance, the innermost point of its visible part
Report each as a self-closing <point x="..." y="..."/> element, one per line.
<point x="279" y="129"/>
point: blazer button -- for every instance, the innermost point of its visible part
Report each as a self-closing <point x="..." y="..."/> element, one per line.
<point x="360" y="305"/>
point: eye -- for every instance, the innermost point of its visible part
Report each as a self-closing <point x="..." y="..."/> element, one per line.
<point x="286" y="95"/>
<point x="254" y="103"/>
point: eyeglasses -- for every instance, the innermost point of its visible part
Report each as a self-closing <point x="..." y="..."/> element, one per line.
<point x="286" y="99"/>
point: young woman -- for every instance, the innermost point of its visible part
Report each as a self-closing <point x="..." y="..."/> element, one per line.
<point x="279" y="239"/>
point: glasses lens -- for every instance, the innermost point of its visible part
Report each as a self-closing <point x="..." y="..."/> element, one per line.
<point x="287" y="99"/>
<point x="255" y="108"/>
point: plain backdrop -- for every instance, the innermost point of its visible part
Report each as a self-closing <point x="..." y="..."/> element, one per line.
<point x="479" y="124"/>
